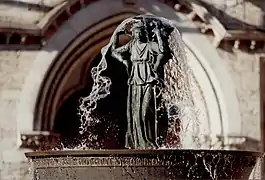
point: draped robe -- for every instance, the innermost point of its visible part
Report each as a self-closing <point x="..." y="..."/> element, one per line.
<point x="141" y="100"/>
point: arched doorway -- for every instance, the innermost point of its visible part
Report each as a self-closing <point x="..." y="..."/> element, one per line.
<point x="76" y="45"/>
<point x="110" y="111"/>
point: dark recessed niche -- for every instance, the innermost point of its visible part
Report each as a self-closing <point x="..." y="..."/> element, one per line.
<point x="75" y="7"/>
<point x="50" y="31"/>
<point x="3" y="38"/>
<point x="15" y="39"/>
<point x="62" y="18"/>
<point x="112" y="126"/>
<point x="32" y="40"/>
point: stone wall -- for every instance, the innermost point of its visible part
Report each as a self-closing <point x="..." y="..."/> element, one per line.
<point x="238" y="14"/>
<point x="244" y="70"/>
<point x="14" y="67"/>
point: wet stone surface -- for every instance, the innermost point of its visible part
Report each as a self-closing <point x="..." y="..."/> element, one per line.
<point x="155" y="88"/>
<point x="128" y="164"/>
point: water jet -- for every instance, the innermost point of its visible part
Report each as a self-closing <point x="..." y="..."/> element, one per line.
<point x="154" y="139"/>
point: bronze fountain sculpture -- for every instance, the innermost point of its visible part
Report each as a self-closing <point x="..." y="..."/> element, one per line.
<point x="145" y="58"/>
<point x="151" y="150"/>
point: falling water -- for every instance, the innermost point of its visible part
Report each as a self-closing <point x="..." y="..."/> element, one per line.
<point x="100" y="89"/>
<point x="176" y="95"/>
<point x="177" y="98"/>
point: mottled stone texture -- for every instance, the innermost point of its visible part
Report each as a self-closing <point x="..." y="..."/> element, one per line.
<point x="233" y="13"/>
<point x="238" y="14"/>
<point x="244" y="70"/>
<point x="30" y="11"/>
<point x="14" y="67"/>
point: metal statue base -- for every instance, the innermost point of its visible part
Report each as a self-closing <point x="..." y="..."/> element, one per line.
<point x="142" y="164"/>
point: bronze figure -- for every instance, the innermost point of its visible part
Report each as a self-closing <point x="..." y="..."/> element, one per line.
<point x="142" y="64"/>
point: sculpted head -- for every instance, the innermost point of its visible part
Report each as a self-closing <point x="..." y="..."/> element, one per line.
<point x="138" y="30"/>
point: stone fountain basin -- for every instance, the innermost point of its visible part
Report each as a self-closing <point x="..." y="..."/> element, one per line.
<point x="142" y="164"/>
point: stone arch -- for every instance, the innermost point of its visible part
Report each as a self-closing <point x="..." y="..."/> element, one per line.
<point x="76" y="56"/>
<point x="68" y="32"/>
<point x="211" y="117"/>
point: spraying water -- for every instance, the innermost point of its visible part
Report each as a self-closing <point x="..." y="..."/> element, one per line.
<point x="182" y="115"/>
<point x="176" y="94"/>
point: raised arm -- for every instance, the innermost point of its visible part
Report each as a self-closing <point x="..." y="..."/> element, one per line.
<point x="159" y="40"/>
<point x="160" y="48"/>
<point x="122" y="49"/>
<point x="116" y="52"/>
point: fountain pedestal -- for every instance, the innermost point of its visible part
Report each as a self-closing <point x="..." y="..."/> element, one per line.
<point x="142" y="164"/>
<point x="153" y="85"/>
